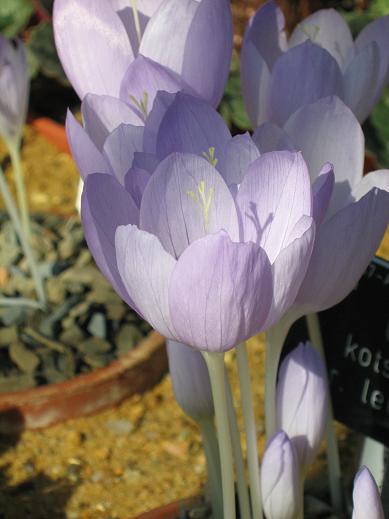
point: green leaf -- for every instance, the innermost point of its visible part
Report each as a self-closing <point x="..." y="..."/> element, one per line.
<point x="14" y="16"/>
<point x="377" y="131"/>
<point x="41" y="46"/>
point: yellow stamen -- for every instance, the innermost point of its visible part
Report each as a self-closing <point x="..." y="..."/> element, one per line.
<point x="210" y="156"/>
<point x="203" y="200"/>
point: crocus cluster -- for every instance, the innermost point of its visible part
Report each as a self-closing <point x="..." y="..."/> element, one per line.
<point x="213" y="238"/>
<point x="319" y="59"/>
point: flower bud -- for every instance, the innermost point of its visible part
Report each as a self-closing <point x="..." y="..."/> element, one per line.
<point x="280" y="479"/>
<point x="191" y="383"/>
<point x="366" y="497"/>
<point x="302" y="401"/>
<point x="14" y="89"/>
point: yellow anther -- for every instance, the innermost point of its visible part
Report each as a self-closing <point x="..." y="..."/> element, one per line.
<point x="141" y="104"/>
<point x="203" y="200"/>
<point x="311" y="31"/>
<point x="210" y="156"/>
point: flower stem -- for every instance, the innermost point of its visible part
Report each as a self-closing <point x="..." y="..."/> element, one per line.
<point x="249" y="424"/>
<point x="275" y="338"/>
<point x="243" y="494"/>
<point x="14" y="152"/>
<point x="215" y="363"/>
<point x="211" y="449"/>
<point x="13" y="213"/>
<point x="333" y="461"/>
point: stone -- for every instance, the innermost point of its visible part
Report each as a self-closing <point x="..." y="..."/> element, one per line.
<point x="98" y="325"/>
<point x="55" y="290"/>
<point x="18" y="382"/>
<point x="93" y="345"/>
<point x="120" y="427"/>
<point x="72" y="335"/>
<point x="84" y="258"/>
<point x="8" y="334"/>
<point x="50" y="326"/>
<point x="12" y="315"/>
<point x="126" y="338"/>
<point x="67" y="247"/>
<point x="67" y="364"/>
<point x="24" y="358"/>
<point x="116" y="311"/>
<point x="97" y="360"/>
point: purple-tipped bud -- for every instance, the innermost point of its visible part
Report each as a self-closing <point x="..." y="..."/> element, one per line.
<point x="302" y="400"/>
<point x="14" y="89"/>
<point x="280" y="479"/>
<point x="366" y="497"/>
<point x="191" y="384"/>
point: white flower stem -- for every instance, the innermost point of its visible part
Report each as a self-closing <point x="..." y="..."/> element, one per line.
<point x="211" y="449"/>
<point x="13" y="213"/>
<point x="14" y="152"/>
<point x="242" y="488"/>
<point x="333" y="461"/>
<point x="215" y="363"/>
<point x="249" y="424"/>
<point x="135" y="12"/>
<point x="275" y="338"/>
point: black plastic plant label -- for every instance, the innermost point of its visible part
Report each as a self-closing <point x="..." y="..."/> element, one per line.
<point x="356" y="342"/>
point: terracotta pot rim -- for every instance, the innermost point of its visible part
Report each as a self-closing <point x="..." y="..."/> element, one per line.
<point x="78" y="383"/>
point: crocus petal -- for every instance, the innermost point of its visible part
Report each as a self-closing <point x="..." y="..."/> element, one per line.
<point x="197" y="44"/>
<point x="338" y="259"/>
<point x="92" y="44"/>
<point x="125" y="11"/>
<point x="170" y="25"/>
<point x="135" y="183"/>
<point x="280" y="479"/>
<point x="328" y="29"/>
<point x="366" y="497"/>
<point x="102" y="114"/>
<point x="120" y="146"/>
<point x="360" y="80"/>
<point x="86" y="155"/>
<point x="288" y="91"/>
<point x="255" y="83"/>
<point x="270" y="137"/>
<point x="104" y="206"/>
<point x="275" y="193"/>
<point x="143" y="79"/>
<point x="241" y="152"/>
<point x="185" y="199"/>
<point x="266" y="30"/>
<point x="377" y="31"/>
<point x="290" y="267"/>
<point x="192" y="125"/>
<point x="302" y="401"/>
<point x="220" y="292"/>
<point x="322" y="191"/>
<point x="145" y="268"/>
<point x="161" y="104"/>
<point x="208" y="50"/>
<point x="374" y="179"/>
<point x="190" y="378"/>
<point x="146" y="161"/>
<point x="327" y="130"/>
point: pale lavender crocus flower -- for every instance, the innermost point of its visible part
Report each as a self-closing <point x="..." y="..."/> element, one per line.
<point x="14" y="90"/>
<point x="353" y="207"/>
<point x="203" y="268"/>
<point x="366" y="497"/>
<point x="279" y="75"/>
<point x="281" y="479"/>
<point x="169" y="45"/>
<point x="302" y="401"/>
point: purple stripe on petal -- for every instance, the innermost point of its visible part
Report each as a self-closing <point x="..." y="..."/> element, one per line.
<point x="135" y="183"/>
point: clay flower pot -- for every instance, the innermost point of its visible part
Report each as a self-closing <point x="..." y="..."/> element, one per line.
<point x="85" y="394"/>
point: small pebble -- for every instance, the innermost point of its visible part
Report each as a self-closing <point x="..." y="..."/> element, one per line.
<point x="98" y="326"/>
<point x="120" y="427"/>
<point x="24" y="358"/>
<point x="8" y="334"/>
